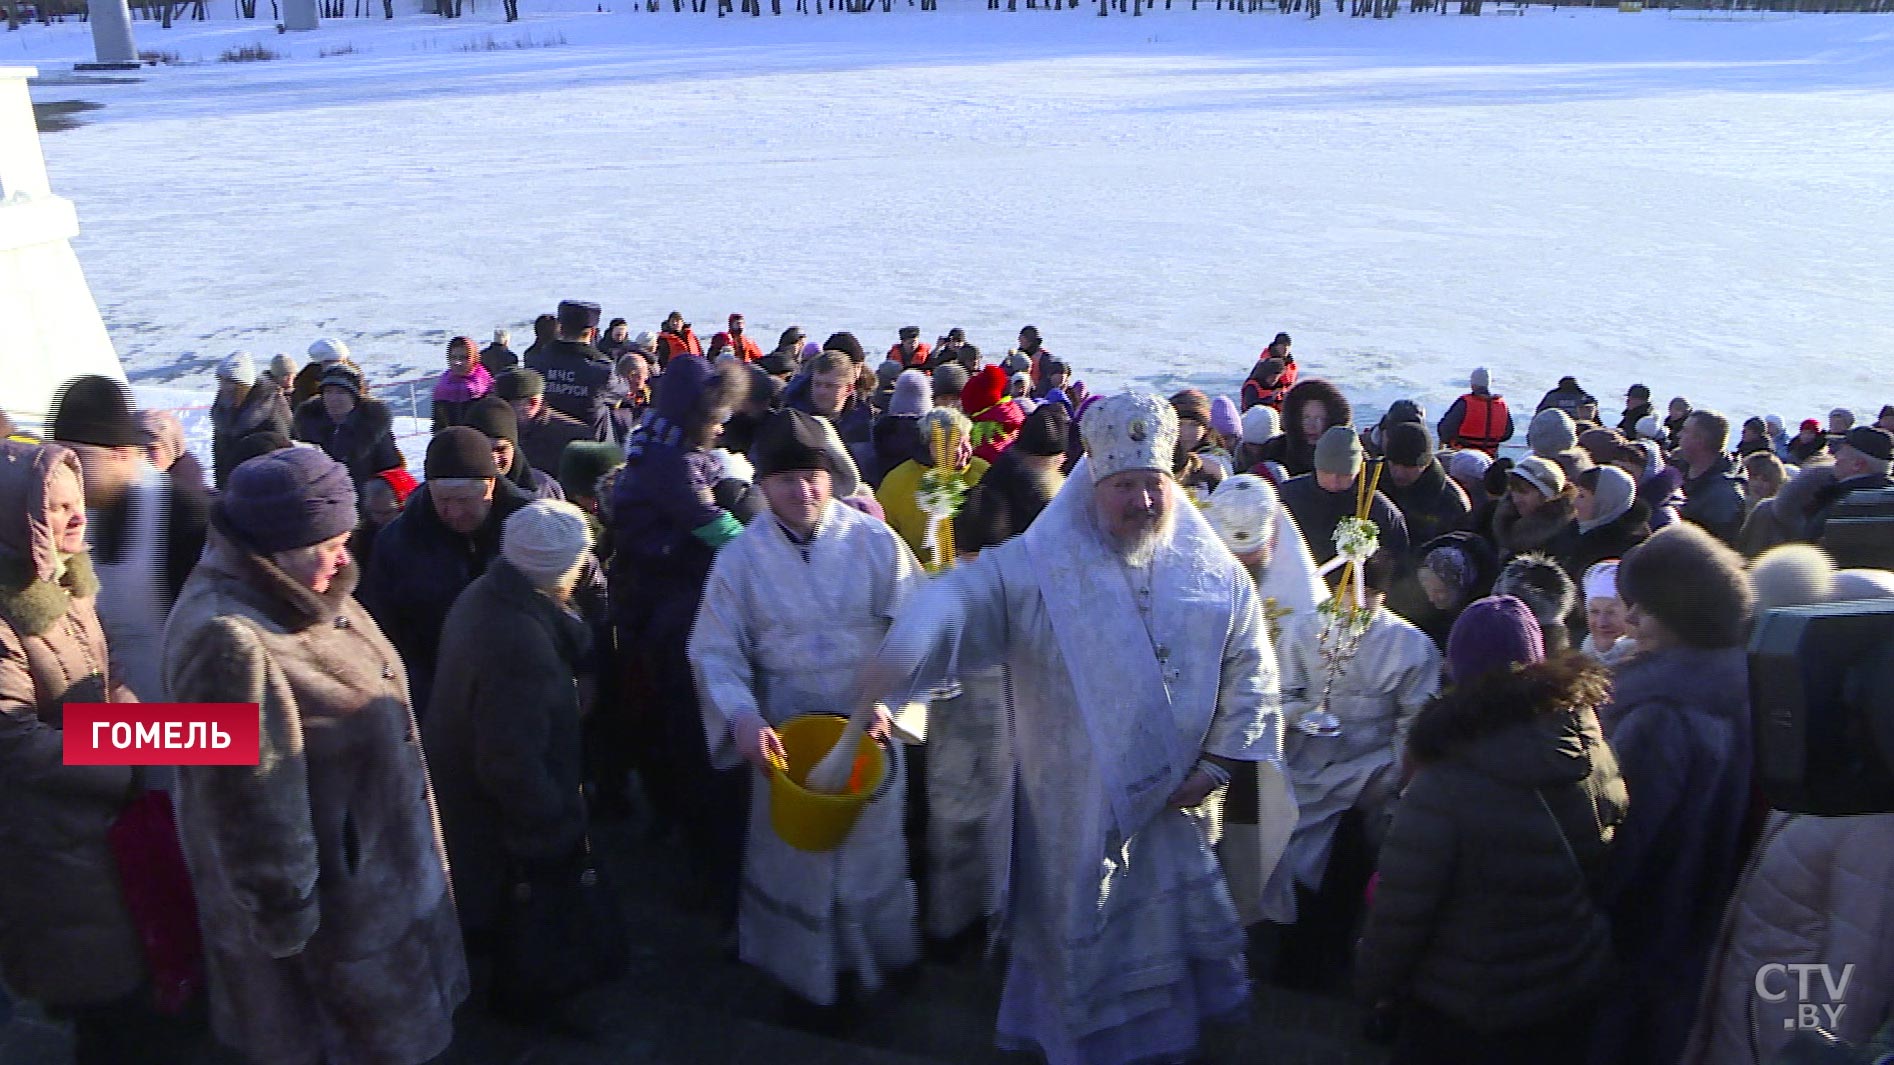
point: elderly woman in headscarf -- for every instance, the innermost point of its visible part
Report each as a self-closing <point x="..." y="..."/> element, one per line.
<point x="67" y="940"/>
<point x="1611" y="519"/>
<point x="329" y="929"/>
<point x="1455" y="570"/>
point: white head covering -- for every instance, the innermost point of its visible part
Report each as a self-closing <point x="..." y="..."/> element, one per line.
<point x="1129" y="431"/>
<point x="328" y="350"/>
<point x="1614" y="495"/>
<point x="1261" y="424"/>
<point x="282" y="369"/>
<point x="1601" y="581"/>
<point x="545" y="540"/>
<point x="503" y="337"/>
<point x="1247" y="506"/>
<point x="237" y="368"/>
<point x="1648" y="428"/>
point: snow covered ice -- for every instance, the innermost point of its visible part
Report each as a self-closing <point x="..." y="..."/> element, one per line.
<point x="1699" y="205"/>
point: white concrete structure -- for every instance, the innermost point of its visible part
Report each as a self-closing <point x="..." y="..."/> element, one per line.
<point x="112" y="43"/>
<point x="50" y="330"/>
<point x="300" y="15"/>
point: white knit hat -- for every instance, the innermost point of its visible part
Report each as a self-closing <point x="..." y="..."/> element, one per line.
<point x="645" y="342"/>
<point x="328" y="350"/>
<point x="237" y="368"/>
<point x="1129" y="431"/>
<point x="545" y="540"/>
<point x="1601" y="580"/>
<point x="1242" y="510"/>
<point x="282" y="369"/>
<point x="1261" y="424"/>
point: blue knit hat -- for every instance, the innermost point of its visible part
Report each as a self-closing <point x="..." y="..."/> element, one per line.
<point x="1493" y="633"/>
<point x="288" y="499"/>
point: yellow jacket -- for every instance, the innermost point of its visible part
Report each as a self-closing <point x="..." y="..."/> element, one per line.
<point x="899" y="499"/>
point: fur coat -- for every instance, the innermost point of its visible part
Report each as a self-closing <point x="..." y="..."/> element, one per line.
<point x="322" y="885"/>
<point x="1551" y="530"/>
<point x="65" y="936"/>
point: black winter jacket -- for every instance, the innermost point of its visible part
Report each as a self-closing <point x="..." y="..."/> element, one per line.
<point x="1485" y="909"/>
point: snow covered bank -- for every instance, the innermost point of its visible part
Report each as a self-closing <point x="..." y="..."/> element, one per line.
<point x="1692" y="204"/>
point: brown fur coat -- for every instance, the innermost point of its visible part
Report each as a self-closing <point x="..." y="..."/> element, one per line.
<point x="321" y="877"/>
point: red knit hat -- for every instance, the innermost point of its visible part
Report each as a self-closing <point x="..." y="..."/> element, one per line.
<point x="983" y="390"/>
<point x="401" y="482"/>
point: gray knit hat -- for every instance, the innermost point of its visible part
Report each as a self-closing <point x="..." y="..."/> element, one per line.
<point x="1339" y="451"/>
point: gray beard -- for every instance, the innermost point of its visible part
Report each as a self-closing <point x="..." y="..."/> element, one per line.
<point x="1140" y="550"/>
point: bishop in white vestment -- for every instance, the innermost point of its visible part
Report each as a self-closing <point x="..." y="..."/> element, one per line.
<point x="1140" y="671"/>
<point x="793" y="607"/>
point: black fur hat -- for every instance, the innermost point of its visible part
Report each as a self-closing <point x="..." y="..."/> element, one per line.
<point x="1692" y="583"/>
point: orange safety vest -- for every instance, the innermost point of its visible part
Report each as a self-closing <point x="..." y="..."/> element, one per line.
<point x="1484" y="423"/>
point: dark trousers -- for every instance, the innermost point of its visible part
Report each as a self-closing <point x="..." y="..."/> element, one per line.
<point x="1316" y="950"/>
<point x="130" y="1032"/>
<point x="711" y="806"/>
<point x="1430" y="1037"/>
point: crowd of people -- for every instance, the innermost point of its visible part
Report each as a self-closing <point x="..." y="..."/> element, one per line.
<point x="1172" y="693"/>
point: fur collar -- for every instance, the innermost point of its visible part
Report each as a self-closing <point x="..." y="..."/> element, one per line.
<point x="285" y="600"/>
<point x="1502" y="699"/>
<point x="33" y="606"/>
<point x="1518" y="533"/>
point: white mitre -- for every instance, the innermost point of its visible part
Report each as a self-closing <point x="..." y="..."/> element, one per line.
<point x="1129" y="431"/>
<point x="1243" y="512"/>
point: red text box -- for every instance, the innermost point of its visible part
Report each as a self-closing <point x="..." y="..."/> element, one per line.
<point x="162" y="734"/>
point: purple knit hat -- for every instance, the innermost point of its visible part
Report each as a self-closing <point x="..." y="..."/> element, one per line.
<point x="1225" y="419"/>
<point x="288" y="499"/>
<point x="1493" y="633"/>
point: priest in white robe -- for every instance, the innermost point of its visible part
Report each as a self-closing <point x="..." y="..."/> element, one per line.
<point x="1140" y="674"/>
<point x="1394" y="674"/>
<point x="1259" y="808"/>
<point x="793" y="607"/>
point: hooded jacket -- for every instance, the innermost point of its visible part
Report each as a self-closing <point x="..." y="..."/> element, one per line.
<point x="666" y="524"/>
<point x="66" y="938"/>
<point x="1296" y="454"/>
<point x="1485" y="907"/>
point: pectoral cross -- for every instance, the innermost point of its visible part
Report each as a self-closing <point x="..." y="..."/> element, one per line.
<point x="1273" y="613"/>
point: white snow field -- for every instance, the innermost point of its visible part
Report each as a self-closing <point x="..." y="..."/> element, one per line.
<point x="1700" y="205"/>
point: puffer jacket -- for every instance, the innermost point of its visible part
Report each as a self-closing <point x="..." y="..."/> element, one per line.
<point x="1485" y="906"/>
<point x="329" y="929"/>
<point x="1819" y="891"/>
<point x="66" y="938"/>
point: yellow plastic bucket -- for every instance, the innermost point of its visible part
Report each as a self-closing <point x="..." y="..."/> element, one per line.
<point x="808" y="820"/>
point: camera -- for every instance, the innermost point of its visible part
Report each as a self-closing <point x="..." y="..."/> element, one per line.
<point x="1821" y="693"/>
